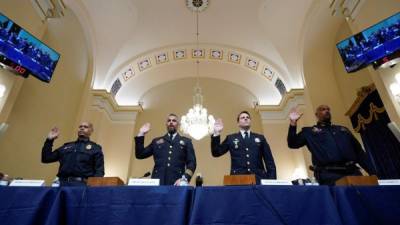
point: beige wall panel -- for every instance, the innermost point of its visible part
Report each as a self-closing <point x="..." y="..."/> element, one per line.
<point x="222" y="99"/>
<point x="40" y="106"/>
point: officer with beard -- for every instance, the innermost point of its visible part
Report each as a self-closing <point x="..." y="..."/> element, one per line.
<point x="173" y="154"/>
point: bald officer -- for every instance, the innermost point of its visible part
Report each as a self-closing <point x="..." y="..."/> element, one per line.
<point x="78" y="159"/>
<point x="334" y="150"/>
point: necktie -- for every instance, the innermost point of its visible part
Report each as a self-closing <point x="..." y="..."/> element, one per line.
<point x="246" y="135"/>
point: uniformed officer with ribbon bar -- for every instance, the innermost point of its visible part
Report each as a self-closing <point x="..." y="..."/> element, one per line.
<point x="334" y="150"/>
<point x="249" y="151"/>
<point x="173" y="154"/>
<point x="79" y="159"/>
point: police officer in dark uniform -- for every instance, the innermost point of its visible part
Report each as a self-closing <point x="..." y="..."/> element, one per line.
<point x="79" y="159"/>
<point x="249" y="151"/>
<point x="334" y="150"/>
<point x="173" y="154"/>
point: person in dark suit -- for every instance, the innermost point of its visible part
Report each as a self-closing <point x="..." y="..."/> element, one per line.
<point x="250" y="152"/>
<point x="78" y="159"/>
<point x="173" y="154"/>
<point x="334" y="150"/>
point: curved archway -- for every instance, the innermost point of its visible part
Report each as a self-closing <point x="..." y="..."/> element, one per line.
<point x="265" y="91"/>
<point x="162" y="65"/>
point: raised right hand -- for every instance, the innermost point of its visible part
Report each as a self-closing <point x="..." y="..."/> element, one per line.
<point x="294" y="116"/>
<point x="218" y="127"/>
<point x="144" y="129"/>
<point x="53" y="134"/>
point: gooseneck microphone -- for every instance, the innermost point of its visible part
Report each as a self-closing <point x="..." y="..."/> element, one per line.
<point x="146" y="174"/>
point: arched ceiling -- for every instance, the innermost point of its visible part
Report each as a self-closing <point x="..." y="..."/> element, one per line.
<point x="124" y="32"/>
<point x="256" y="84"/>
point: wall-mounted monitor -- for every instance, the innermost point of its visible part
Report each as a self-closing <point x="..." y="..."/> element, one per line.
<point x="21" y="52"/>
<point x="374" y="43"/>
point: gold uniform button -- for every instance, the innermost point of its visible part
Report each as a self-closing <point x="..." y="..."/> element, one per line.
<point x="249" y="169"/>
<point x="168" y="164"/>
<point x="170" y="152"/>
<point x="248" y="163"/>
<point x="247" y="155"/>
<point x="170" y="146"/>
<point x="169" y="158"/>
<point x="247" y="149"/>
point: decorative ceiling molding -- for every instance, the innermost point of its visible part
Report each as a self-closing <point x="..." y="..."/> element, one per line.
<point x="349" y="9"/>
<point x="197" y="5"/>
<point x="280" y="112"/>
<point x="162" y="57"/>
<point x="104" y="101"/>
<point x="213" y="53"/>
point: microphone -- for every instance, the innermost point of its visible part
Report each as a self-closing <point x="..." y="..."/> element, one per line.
<point x="146" y="174"/>
<point x="199" y="180"/>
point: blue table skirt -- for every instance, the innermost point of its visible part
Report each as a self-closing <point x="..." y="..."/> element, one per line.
<point x="368" y="205"/>
<point x="286" y="205"/>
<point x="20" y="205"/>
<point x="264" y="205"/>
<point x="95" y="206"/>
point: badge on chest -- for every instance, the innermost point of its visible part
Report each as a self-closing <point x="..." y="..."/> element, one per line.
<point x="68" y="147"/>
<point x="236" y="142"/>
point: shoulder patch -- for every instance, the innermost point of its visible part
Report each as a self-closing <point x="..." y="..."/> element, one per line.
<point x="344" y="129"/>
<point x="160" y="141"/>
<point x="68" y="145"/>
<point x="316" y="130"/>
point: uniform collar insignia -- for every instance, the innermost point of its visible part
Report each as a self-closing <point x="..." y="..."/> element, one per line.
<point x="167" y="137"/>
<point x="160" y="141"/>
<point x="257" y="140"/>
<point x="88" y="147"/>
<point x="316" y="129"/>
<point x="324" y="124"/>
<point x="83" y="139"/>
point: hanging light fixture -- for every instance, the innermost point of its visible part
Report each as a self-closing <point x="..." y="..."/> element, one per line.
<point x="197" y="123"/>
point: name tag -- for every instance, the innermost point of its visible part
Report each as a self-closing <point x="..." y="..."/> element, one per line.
<point x="143" y="182"/>
<point x="27" y="183"/>
<point x="389" y="182"/>
<point x="275" y="182"/>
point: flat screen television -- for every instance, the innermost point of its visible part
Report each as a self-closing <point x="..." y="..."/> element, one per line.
<point x="373" y="43"/>
<point x="21" y="52"/>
